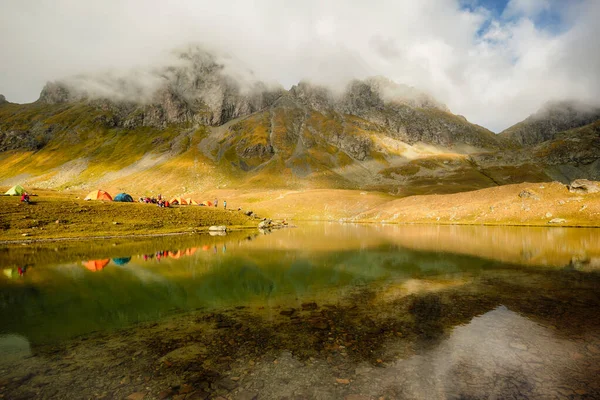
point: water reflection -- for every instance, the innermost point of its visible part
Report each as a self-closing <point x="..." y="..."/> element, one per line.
<point x="398" y="312"/>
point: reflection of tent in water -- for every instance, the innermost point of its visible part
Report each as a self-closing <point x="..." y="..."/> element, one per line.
<point x="98" y="195"/>
<point x="121" y="260"/>
<point x="205" y="247"/>
<point x="96" y="265"/>
<point x="206" y="203"/>
<point x="191" y="251"/>
<point x="123" y="197"/>
<point x="16" y="190"/>
<point x="176" y="254"/>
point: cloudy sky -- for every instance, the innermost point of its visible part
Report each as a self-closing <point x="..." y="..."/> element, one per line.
<point x="493" y="61"/>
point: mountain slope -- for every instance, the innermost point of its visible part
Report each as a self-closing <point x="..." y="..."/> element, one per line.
<point x="196" y="126"/>
<point x="551" y="119"/>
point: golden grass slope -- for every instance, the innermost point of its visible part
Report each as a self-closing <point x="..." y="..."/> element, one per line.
<point x="499" y="205"/>
<point x="79" y="219"/>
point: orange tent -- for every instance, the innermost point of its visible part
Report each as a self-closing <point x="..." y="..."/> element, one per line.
<point x="206" y="203"/>
<point x="178" y="200"/>
<point x="175" y="254"/>
<point x="96" y="265"/>
<point x="98" y="195"/>
<point x="191" y="251"/>
<point x="191" y="202"/>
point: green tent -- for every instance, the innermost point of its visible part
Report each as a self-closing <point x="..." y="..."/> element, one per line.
<point x="16" y="190"/>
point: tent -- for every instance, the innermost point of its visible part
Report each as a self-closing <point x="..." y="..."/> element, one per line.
<point x="98" y="195"/>
<point x="121" y="260"/>
<point x="96" y="265"/>
<point x="175" y="254"/>
<point x="191" y="251"/>
<point x="178" y="200"/>
<point x="124" y="197"/>
<point x="191" y="202"/>
<point x="206" y="203"/>
<point x="16" y="190"/>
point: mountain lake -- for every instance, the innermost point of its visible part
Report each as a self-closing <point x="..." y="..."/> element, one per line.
<point x="317" y="311"/>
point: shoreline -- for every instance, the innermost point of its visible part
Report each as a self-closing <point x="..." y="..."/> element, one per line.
<point x="247" y="228"/>
<point x="124" y="236"/>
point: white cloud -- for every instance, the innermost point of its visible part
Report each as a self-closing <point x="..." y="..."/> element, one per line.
<point x="529" y="8"/>
<point x="495" y="77"/>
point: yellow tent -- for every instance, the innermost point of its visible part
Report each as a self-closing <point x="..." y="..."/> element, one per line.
<point x="98" y="195"/>
<point x="178" y="200"/>
<point x="16" y="190"/>
<point x="191" y="202"/>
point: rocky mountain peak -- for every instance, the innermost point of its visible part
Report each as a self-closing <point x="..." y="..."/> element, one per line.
<point x="2" y="99"/>
<point x="316" y="97"/>
<point x="364" y="96"/>
<point x="550" y="119"/>
<point x="57" y="92"/>
<point x="393" y="92"/>
<point x="194" y="87"/>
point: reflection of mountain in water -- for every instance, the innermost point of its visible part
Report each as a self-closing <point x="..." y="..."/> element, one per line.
<point x="279" y="269"/>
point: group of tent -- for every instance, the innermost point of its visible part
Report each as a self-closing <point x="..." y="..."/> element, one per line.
<point x="98" y="265"/>
<point x="102" y="195"/>
<point x="18" y="190"/>
<point x="124" y="197"/>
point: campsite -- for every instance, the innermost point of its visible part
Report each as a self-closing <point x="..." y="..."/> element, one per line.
<point x="68" y="215"/>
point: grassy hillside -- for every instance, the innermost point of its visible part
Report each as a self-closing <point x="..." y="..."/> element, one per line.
<point x="66" y="215"/>
<point x="291" y="161"/>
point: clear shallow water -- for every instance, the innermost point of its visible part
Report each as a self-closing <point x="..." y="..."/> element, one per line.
<point x="320" y="311"/>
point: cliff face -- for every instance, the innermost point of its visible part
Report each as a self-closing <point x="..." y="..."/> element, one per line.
<point x="551" y="119"/>
<point x="200" y="90"/>
<point x="196" y="89"/>
<point x="406" y="113"/>
<point x="203" y="115"/>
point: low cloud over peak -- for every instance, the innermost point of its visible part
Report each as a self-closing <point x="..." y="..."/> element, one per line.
<point x="495" y="66"/>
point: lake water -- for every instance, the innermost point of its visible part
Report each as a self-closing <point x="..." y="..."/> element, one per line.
<point x="319" y="311"/>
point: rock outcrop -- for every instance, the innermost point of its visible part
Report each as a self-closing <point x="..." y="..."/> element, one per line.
<point x="196" y="89"/>
<point x="2" y="99"/>
<point x="551" y="119"/>
<point x="408" y="114"/>
<point x="584" y="186"/>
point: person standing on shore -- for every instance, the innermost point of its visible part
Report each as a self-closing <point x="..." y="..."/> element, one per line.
<point x="225" y="204"/>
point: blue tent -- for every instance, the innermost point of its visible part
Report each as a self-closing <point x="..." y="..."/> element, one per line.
<point x="121" y="260"/>
<point x="123" y="197"/>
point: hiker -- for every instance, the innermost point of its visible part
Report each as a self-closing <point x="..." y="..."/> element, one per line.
<point x="216" y="203"/>
<point x="25" y="198"/>
<point x="225" y="204"/>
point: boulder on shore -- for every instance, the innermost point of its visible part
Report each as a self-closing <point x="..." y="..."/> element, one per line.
<point x="220" y="228"/>
<point x="557" y="221"/>
<point x="584" y="186"/>
<point x="265" y="224"/>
